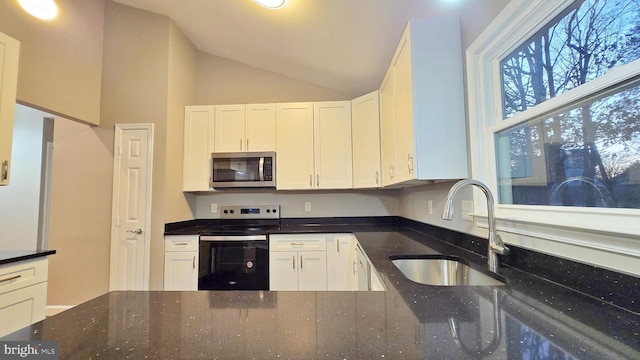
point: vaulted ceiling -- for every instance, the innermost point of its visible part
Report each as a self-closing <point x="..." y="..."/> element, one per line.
<point x="344" y="45"/>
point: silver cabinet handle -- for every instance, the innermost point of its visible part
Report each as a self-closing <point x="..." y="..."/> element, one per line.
<point x="354" y="266"/>
<point x="181" y="244"/>
<point x="409" y="163"/>
<point x="10" y="278"/>
<point x="300" y="262"/>
<point x="391" y="172"/>
<point x="240" y="144"/>
<point x="293" y="261"/>
<point x="137" y="231"/>
<point x="5" y="170"/>
<point x="297" y="244"/>
<point x="310" y="180"/>
<point x="377" y="183"/>
<point x="247" y="144"/>
<point x="193" y="265"/>
<point x="317" y="180"/>
<point x="338" y="245"/>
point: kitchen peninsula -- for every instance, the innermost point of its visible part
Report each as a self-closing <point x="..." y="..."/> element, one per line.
<point x="525" y="318"/>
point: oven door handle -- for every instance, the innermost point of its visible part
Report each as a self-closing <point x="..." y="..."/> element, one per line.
<point x="233" y="237"/>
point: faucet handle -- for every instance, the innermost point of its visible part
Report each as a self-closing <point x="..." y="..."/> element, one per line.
<point x="499" y="246"/>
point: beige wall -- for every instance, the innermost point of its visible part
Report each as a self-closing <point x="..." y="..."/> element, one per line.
<point x="135" y="90"/>
<point x="223" y="81"/>
<point x="61" y="60"/>
<point x="80" y="212"/>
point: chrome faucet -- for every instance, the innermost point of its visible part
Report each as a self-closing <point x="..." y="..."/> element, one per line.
<point x="496" y="246"/>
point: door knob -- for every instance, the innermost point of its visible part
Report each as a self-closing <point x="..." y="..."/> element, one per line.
<point x="137" y="231"/>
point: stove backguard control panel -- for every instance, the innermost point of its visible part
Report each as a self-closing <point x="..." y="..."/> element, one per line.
<point x="250" y="212"/>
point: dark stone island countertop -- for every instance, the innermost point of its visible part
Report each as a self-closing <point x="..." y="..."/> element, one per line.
<point x="11" y="256"/>
<point x="529" y="318"/>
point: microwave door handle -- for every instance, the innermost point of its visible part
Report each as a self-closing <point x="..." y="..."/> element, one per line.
<point x="261" y="169"/>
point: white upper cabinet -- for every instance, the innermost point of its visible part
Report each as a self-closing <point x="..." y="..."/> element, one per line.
<point x="365" y="135"/>
<point x="332" y="145"/>
<point x="422" y="105"/>
<point x="242" y="127"/>
<point x="294" y="146"/>
<point x="314" y="145"/>
<point x="229" y="128"/>
<point x="9" y="53"/>
<point x="260" y="127"/>
<point x="198" y="146"/>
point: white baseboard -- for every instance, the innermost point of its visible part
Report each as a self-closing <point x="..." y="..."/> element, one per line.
<point x="55" y="309"/>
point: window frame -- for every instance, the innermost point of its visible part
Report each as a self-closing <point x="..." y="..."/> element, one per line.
<point x="610" y="229"/>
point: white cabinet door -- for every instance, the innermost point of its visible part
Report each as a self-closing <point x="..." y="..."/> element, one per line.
<point x="181" y="270"/>
<point x="9" y="53"/>
<point x="260" y="127"/>
<point x="404" y="112"/>
<point x="332" y="145"/>
<point x="365" y="135"/>
<point x="362" y="266"/>
<point x="22" y="307"/>
<point x="341" y="256"/>
<point x="294" y="143"/>
<point x="387" y="129"/>
<point x="229" y="128"/>
<point x="283" y="270"/>
<point x="312" y="271"/>
<point x="198" y="146"/>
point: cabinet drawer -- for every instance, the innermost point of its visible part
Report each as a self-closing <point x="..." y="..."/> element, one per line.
<point x="288" y="242"/>
<point x="23" y="273"/>
<point x="181" y="242"/>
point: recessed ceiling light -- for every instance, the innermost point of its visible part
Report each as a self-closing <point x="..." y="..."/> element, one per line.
<point x="272" y="4"/>
<point x="42" y="9"/>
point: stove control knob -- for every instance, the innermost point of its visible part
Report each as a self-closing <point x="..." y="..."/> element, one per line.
<point x="274" y="211"/>
<point x="226" y="211"/>
<point x="231" y="211"/>
<point x="268" y="211"/>
<point x="249" y="264"/>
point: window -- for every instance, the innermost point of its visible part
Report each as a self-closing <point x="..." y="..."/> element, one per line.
<point x="554" y="118"/>
<point x="584" y="154"/>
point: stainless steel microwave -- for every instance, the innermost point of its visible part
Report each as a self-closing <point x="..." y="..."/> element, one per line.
<point x="243" y="170"/>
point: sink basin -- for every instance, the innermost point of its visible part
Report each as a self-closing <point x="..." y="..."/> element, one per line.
<point x="444" y="270"/>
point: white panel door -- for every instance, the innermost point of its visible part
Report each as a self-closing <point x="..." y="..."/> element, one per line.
<point x="260" y="127"/>
<point x="229" y="128"/>
<point x="9" y="50"/>
<point x="365" y="128"/>
<point x="283" y="270"/>
<point x="294" y="143"/>
<point x="198" y="146"/>
<point x="131" y="207"/>
<point x="312" y="272"/>
<point x="332" y="145"/>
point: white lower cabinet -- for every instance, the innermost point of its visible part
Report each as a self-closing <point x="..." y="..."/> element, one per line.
<point x="341" y="259"/>
<point x="297" y="262"/>
<point x="181" y="262"/>
<point x="23" y="294"/>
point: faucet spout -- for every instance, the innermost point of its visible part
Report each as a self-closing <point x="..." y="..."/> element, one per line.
<point x="496" y="246"/>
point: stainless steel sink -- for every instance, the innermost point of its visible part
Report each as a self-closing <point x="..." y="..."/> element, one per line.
<point x="443" y="270"/>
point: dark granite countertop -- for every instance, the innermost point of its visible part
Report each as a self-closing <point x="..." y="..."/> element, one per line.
<point x="530" y="318"/>
<point x="11" y="256"/>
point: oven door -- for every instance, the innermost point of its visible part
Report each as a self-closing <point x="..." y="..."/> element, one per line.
<point x="234" y="263"/>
